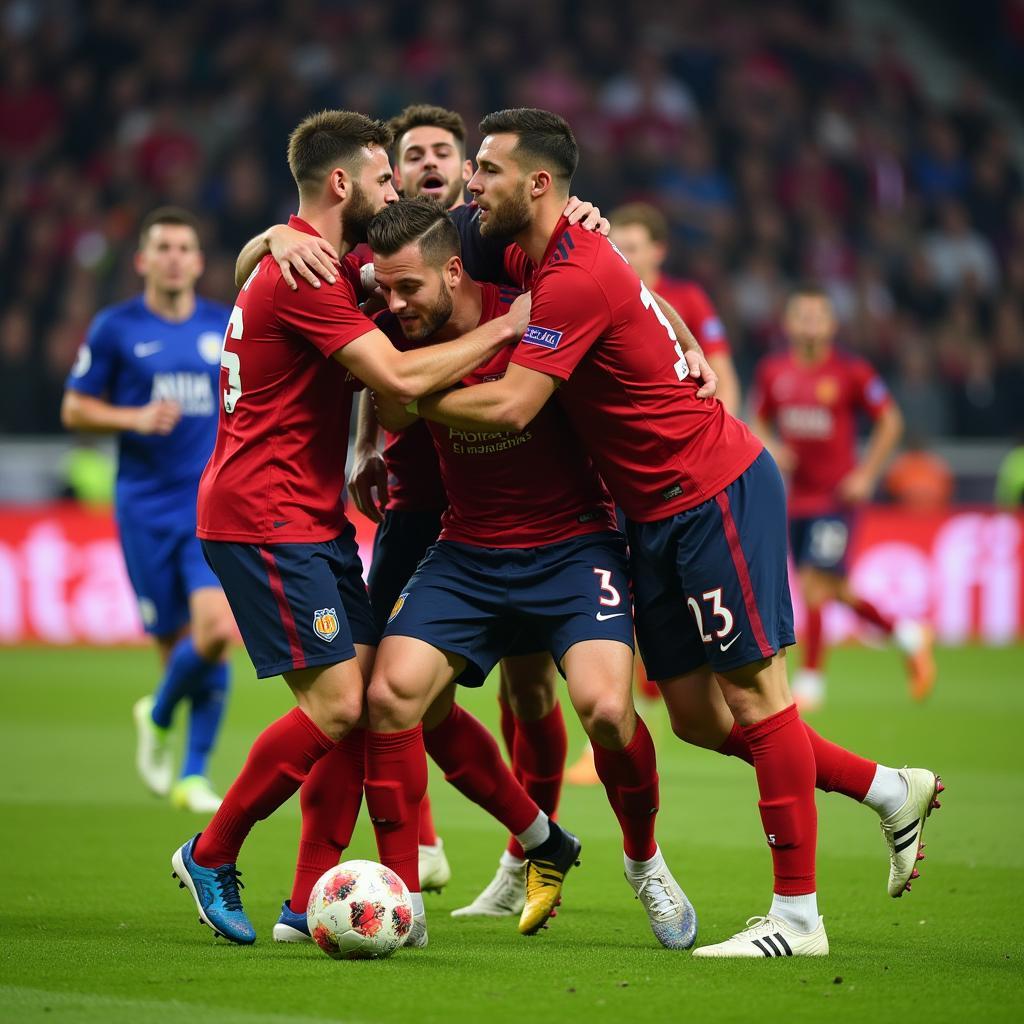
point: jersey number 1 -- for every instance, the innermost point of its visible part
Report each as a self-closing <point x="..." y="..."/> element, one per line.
<point x="648" y="299"/>
<point x="231" y="362"/>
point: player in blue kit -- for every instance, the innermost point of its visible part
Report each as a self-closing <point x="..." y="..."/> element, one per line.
<point x="149" y="372"/>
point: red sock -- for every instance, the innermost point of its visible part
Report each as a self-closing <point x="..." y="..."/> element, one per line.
<point x="538" y="762"/>
<point x="630" y="779"/>
<point x="508" y="730"/>
<point x="396" y="779"/>
<point x="814" y="647"/>
<point x="330" y="798"/>
<point x="870" y="613"/>
<point x="784" y="763"/>
<point x="836" y="770"/>
<point x="428" y="836"/>
<point x="278" y="761"/>
<point x="471" y="761"/>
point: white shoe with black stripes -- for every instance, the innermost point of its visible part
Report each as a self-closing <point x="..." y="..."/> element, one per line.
<point x="767" y="937"/>
<point x="903" y="828"/>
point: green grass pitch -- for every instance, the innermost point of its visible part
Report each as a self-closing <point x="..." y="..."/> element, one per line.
<point x="92" y="928"/>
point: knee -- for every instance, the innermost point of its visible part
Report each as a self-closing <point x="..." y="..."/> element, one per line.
<point x="609" y="721"/>
<point x="391" y="705"/>
<point x="531" y="703"/>
<point x="337" y="713"/>
<point x="696" y="733"/>
<point x="212" y="636"/>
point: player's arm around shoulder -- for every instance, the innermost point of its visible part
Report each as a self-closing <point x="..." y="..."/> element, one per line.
<point x="296" y="252"/>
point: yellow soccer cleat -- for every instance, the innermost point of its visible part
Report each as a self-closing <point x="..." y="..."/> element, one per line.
<point x="544" y="880"/>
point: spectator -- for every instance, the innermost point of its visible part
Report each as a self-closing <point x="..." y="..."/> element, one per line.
<point x="958" y="254"/>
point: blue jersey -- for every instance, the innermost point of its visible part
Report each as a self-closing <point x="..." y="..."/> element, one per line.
<point x="131" y="357"/>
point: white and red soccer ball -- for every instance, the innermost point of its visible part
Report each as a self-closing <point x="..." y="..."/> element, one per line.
<point x="359" y="910"/>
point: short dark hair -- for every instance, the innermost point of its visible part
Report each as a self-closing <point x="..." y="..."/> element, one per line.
<point x="544" y="138"/>
<point x="426" y="115"/>
<point x="810" y="290"/>
<point x="644" y="215"/>
<point x="331" y="138"/>
<point x="422" y="220"/>
<point x="167" y="215"/>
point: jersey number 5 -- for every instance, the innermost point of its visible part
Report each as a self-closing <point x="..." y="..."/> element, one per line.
<point x="231" y="362"/>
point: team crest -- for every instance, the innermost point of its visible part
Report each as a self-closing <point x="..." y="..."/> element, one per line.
<point x="827" y="390"/>
<point x="398" y="606"/>
<point x="209" y="344"/>
<point x="325" y="623"/>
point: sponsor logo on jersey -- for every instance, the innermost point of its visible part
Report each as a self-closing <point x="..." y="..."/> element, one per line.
<point x="147" y="348"/>
<point x="542" y="336"/>
<point x="826" y="390"/>
<point x="325" y="623"/>
<point x="398" y="605"/>
<point x="209" y="344"/>
<point x="82" y="362"/>
<point x="192" y="391"/>
<point x="812" y="422"/>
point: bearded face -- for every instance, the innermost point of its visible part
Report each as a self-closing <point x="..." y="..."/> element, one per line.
<point x="508" y="215"/>
<point x="356" y="215"/>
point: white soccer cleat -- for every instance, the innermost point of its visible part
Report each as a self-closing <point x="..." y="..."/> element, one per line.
<point x="435" y="871"/>
<point x="194" y="793"/>
<point x="672" y="917"/>
<point x="767" y="937"/>
<point x="504" y="896"/>
<point x="152" y="750"/>
<point x="808" y="689"/>
<point x="903" y="829"/>
<point x="417" y="938"/>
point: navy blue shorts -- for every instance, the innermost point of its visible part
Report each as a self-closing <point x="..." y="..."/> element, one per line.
<point x="296" y="605"/>
<point x="399" y="545"/>
<point x="710" y="585"/>
<point x="821" y="541"/>
<point x="482" y="603"/>
<point x="165" y="567"/>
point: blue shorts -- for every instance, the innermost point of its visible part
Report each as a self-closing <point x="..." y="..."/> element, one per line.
<point x="711" y="584"/>
<point x="821" y="541"/>
<point x="399" y="545"/>
<point x="481" y="603"/>
<point x="165" y="567"/>
<point x="296" y="605"/>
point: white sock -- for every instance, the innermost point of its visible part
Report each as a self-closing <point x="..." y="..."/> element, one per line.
<point x="888" y="791"/>
<point x="417" y="904"/>
<point x="639" y="868"/>
<point x="510" y="861"/>
<point x="799" y="912"/>
<point x="909" y="636"/>
<point x="536" y="833"/>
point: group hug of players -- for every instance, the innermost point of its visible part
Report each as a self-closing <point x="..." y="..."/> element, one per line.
<point x="500" y="541"/>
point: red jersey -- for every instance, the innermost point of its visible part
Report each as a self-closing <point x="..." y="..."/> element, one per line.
<point x="414" y="476"/>
<point x="627" y="390"/>
<point x="814" y="411"/>
<point x="278" y="467"/>
<point x="694" y="306"/>
<point x="516" y="490"/>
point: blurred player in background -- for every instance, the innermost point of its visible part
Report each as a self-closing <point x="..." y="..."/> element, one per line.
<point x="149" y="371"/>
<point x="806" y="404"/>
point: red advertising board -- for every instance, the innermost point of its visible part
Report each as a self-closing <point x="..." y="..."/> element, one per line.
<point x="62" y="578"/>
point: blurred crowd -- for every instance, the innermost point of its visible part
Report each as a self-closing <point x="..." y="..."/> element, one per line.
<point x="779" y="149"/>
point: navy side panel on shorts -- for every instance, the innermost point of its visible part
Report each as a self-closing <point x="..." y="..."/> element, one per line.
<point x="484" y="603"/>
<point x="399" y="545"/>
<point x="165" y="566"/>
<point x="711" y="584"/>
<point x="821" y="541"/>
<point x="296" y="605"/>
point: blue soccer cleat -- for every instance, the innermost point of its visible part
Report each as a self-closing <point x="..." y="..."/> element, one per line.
<point x="215" y="891"/>
<point x="291" y="927"/>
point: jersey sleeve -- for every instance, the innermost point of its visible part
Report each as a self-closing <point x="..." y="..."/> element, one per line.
<point x="327" y="317"/>
<point x="569" y="313"/>
<point x="96" y="364"/>
<point x="706" y="324"/>
<point x="870" y="393"/>
<point x="761" y="403"/>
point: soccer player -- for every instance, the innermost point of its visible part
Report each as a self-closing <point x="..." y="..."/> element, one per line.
<point x="430" y="160"/>
<point x="148" y="371"/>
<point x="640" y="233"/>
<point x="806" y="405"/>
<point x="528" y="552"/>
<point x="270" y="512"/>
<point x="705" y="509"/>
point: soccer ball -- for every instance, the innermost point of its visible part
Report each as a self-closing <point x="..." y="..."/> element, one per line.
<point x="359" y="910"/>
